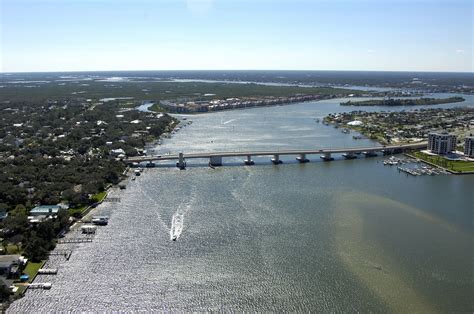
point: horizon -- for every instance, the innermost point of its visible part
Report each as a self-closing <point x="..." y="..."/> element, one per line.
<point x="239" y="70"/>
<point x="223" y="35"/>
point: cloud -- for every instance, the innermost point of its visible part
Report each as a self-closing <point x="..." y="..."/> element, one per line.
<point x="460" y="51"/>
<point x="370" y="51"/>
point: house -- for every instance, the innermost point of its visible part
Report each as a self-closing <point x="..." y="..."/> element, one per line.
<point x="45" y="210"/>
<point x="116" y="152"/>
<point x="10" y="265"/>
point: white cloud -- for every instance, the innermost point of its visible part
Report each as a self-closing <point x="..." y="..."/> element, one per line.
<point x="460" y="51"/>
<point x="370" y="51"/>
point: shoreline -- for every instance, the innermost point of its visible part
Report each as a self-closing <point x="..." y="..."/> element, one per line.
<point x="239" y="107"/>
<point x="438" y="166"/>
<point x="89" y="211"/>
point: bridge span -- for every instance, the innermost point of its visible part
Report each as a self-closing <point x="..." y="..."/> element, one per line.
<point x="215" y="158"/>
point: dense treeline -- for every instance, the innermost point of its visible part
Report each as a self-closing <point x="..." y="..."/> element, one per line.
<point x="404" y="102"/>
<point x="158" y="90"/>
<point x="37" y="239"/>
<point x="63" y="151"/>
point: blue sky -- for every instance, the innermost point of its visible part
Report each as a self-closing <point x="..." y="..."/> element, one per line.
<point x="86" y="35"/>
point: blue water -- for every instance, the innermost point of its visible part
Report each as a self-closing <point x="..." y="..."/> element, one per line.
<point x="323" y="236"/>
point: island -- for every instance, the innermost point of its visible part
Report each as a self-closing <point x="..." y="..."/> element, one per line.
<point x="403" y="102"/>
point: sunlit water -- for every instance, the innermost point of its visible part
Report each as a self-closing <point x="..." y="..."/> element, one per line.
<point x="324" y="236"/>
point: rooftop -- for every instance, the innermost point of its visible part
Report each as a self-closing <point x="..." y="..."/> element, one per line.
<point x="39" y="210"/>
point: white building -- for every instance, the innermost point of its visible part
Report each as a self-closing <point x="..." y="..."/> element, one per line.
<point x="441" y="143"/>
<point x="469" y="146"/>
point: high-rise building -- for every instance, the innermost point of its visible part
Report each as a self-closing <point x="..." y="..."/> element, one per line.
<point x="441" y="143"/>
<point x="469" y="146"/>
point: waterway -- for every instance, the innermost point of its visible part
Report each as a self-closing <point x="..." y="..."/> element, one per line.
<point x="323" y="236"/>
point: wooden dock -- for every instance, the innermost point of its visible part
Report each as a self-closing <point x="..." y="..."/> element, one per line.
<point x="75" y="240"/>
<point x="65" y="253"/>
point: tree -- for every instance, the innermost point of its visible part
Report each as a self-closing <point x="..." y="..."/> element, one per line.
<point x="16" y="221"/>
<point x="4" y="292"/>
<point x="36" y="248"/>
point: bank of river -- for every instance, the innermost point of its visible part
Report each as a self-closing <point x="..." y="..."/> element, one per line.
<point x="338" y="236"/>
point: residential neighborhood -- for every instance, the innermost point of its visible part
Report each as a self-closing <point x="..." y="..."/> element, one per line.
<point x="391" y="127"/>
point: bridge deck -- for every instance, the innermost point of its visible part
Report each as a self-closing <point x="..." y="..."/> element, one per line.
<point x="278" y="152"/>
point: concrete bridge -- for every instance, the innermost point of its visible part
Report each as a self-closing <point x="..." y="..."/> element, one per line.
<point x="215" y="158"/>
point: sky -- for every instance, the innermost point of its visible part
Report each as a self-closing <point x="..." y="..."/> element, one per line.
<point x="102" y="35"/>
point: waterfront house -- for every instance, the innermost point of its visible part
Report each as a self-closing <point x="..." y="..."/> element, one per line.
<point x="10" y="265"/>
<point x="45" y="210"/>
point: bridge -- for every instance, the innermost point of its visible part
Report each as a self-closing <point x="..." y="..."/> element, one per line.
<point x="215" y="158"/>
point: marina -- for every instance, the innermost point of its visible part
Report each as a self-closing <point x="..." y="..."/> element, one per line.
<point x="412" y="166"/>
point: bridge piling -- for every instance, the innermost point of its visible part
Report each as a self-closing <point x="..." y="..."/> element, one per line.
<point x="249" y="161"/>
<point x="350" y="155"/>
<point x="276" y="159"/>
<point x="327" y="157"/>
<point x="302" y="158"/>
<point x="369" y="154"/>
<point x="181" y="163"/>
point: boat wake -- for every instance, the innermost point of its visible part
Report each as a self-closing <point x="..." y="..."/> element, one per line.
<point x="232" y="120"/>
<point x="176" y="226"/>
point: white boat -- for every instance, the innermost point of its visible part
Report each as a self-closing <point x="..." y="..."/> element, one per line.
<point x="176" y="226"/>
<point x="88" y="229"/>
<point x="100" y="220"/>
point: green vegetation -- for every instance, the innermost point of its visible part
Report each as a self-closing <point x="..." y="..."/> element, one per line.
<point x="155" y="91"/>
<point x="77" y="212"/>
<point x="63" y="152"/>
<point x="157" y="108"/>
<point x="98" y="197"/>
<point x="404" y="102"/>
<point x="32" y="268"/>
<point x="453" y="165"/>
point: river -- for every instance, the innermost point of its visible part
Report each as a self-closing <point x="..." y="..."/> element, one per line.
<point x="323" y="236"/>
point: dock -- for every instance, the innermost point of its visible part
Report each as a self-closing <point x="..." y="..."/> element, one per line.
<point x="76" y="240"/>
<point x="65" y="253"/>
<point x="47" y="271"/>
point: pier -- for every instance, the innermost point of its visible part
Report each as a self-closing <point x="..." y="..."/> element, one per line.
<point x="65" y="253"/>
<point x="216" y="158"/>
<point x="77" y="240"/>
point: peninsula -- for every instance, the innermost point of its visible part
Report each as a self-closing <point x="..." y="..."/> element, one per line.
<point x="403" y="102"/>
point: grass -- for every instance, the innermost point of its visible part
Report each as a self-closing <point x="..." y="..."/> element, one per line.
<point x="157" y="108"/>
<point x="31" y="269"/>
<point x="77" y="210"/>
<point x="13" y="249"/>
<point x="99" y="196"/>
<point x="453" y="165"/>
